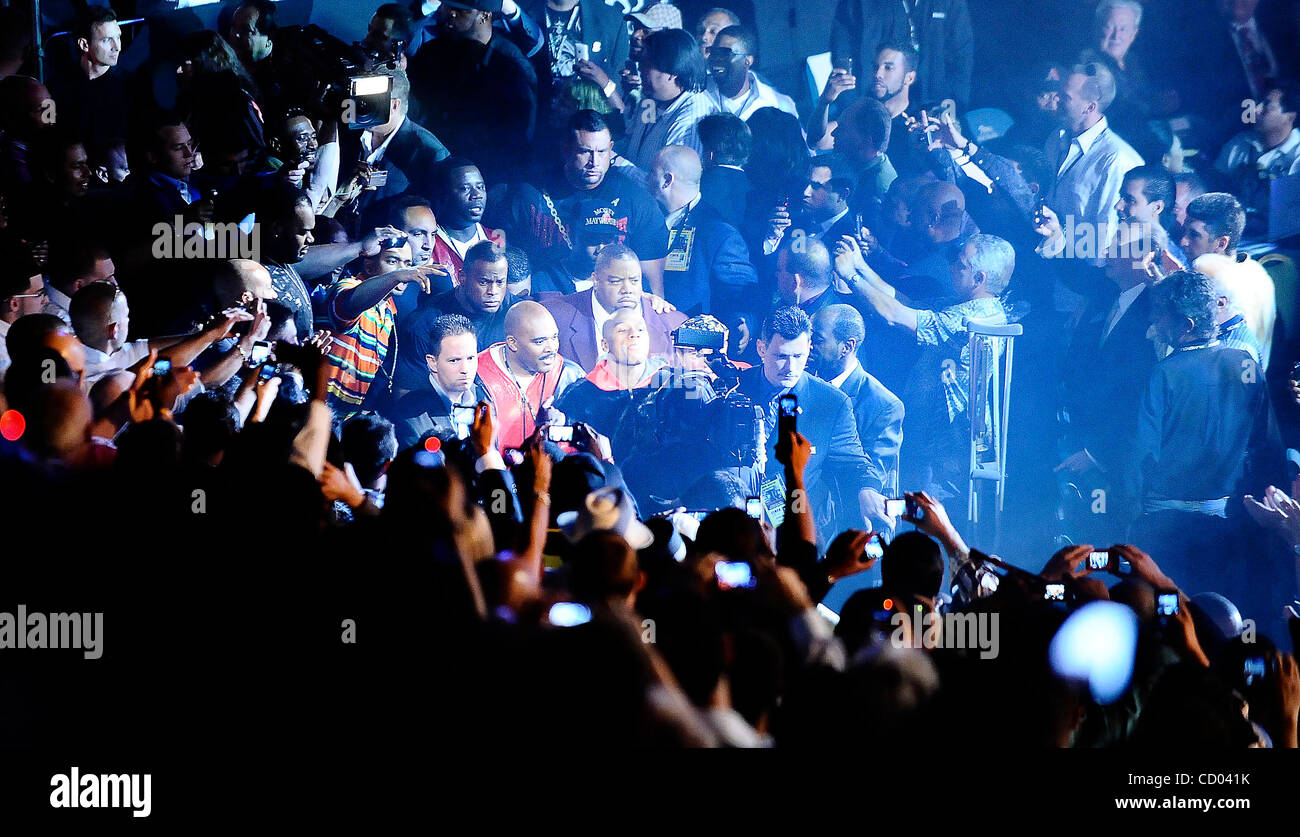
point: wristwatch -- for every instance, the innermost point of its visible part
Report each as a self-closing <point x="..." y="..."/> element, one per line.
<point x="608" y="89"/>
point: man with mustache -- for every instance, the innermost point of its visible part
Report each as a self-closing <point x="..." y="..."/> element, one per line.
<point x="525" y="373"/>
<point x="309" y="164"/>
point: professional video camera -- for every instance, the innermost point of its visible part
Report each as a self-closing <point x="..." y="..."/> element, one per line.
<point x="707" y="337"/>
<point x="332" y="79"/>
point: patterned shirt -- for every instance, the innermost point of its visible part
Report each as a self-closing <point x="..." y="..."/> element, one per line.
<point x="946" y="330"/>
<point x="292" y="292"/>
<point x="360" y="346"/>
<point x="651" y="129"/>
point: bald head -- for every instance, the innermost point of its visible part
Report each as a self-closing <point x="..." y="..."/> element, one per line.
<point x="100" y="316"/>
<point x="532" y="338"/>
<point x="675" y="176"/>
<point x="239" y="280"/>
<point x="24" y="106"/>
<point x="940" y="207"/>
<point x="626" y="340"/>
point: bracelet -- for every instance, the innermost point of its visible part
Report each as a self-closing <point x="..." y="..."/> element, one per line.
<point x="245" y="355"/>
<point x="543" y="497"/>
<point x="609" y="88"/>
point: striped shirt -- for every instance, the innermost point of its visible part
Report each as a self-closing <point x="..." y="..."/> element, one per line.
<point x="360" y="346"/>
<point x="651" y="129"/>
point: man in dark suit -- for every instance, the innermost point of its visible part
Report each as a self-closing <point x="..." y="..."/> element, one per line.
<point x="707" y="270"/>
<point x="1108" y="365"/>
<point x="403" y="148"/>
<point x="939" y="29"/>
<point x="825" y="418"/>
<point x="726" y="141"/>
<point x="837" y="333"/>
<point x="449" y="349"/>
<point x="581" y="316"/>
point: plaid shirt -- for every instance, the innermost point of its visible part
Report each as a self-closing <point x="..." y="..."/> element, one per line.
<point x="650" y="130"/>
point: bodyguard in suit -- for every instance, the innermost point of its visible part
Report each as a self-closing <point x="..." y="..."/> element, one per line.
<point x="1108" y="365"/>
<point x="581" y="316"/>
<point x="940" y="30"/>
<point x="724" y="185"/>
<point x="837" y="333"/>
<point x="450" y="351"/>
<point x="825" y="418"/>
<point x="404" y="149"/>
<point x="707" y="270"/>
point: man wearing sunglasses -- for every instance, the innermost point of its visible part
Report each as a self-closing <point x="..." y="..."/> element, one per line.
<point x="22" y="292"/>
<point x="733" y="86"/>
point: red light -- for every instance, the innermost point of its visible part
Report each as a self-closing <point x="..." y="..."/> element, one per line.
<point x="888" y="604"/>
<point x="12" y="425"/>
<point x="433" y="444"/>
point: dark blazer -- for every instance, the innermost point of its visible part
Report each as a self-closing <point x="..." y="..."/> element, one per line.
<point x="1105" y="381"/>
<point x="409" y="161"/>
<point x="727" y="191"/>
<point x="573" y="317"/>
<point x="879" y="416"/>
<point x="422" y="412"/>
<point x="827" y="420"/>
<point x="943" y="29"/>
<point x="719" y="279"/>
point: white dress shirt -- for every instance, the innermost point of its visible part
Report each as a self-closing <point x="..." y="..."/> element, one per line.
<point x="374" y="155"/>
<point x="57" y="303"/>
<point x="99" y="364"/>
<point x="838" y="380"/>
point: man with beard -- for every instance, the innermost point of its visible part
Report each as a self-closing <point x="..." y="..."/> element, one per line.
<point x="891" y="85"/>
<point x="733" y="86"/>
<point x="525" y="373"/>
<point x="542" y="218"/>
<point x="837" y="334"/>
<point x="307" y="163"/>
<point x="475" y="89"/>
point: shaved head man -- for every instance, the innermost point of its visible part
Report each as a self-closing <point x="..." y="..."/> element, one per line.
<point x="675" y="177"/>
<point x="532" y="339"/>
<point x="239" y="281"/>
<point x="526" y="372"/>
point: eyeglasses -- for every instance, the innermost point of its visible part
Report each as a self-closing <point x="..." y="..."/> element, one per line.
<point x="39" y="293"/>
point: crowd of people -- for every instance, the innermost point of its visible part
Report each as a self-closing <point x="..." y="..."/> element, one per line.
<point x="632" y="381"/>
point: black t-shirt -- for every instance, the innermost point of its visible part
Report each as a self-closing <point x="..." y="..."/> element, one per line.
<point x="530" y="225"/>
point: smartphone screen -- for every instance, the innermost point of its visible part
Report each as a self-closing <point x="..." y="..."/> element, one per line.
<point x="754" y="507"/>
<point x="1099" y="560"/>
<point x="896" y="507"/>
<point x="162" y="367"/>
<point x="261" y="352"/>
<point x="1167" y="604"/>
<point x="733" y="574"/>
<point x="1054" y="592"/>
<point x="789" y="411"/>
<point x="568" y="614"/>
<point x="560" y="433"/>
<point x="875" y="547"/>
<point x="462" y="415"/>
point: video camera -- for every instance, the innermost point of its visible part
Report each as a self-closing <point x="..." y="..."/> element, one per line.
<point x="710" y="344"/>
<point x="332" y="79"/>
